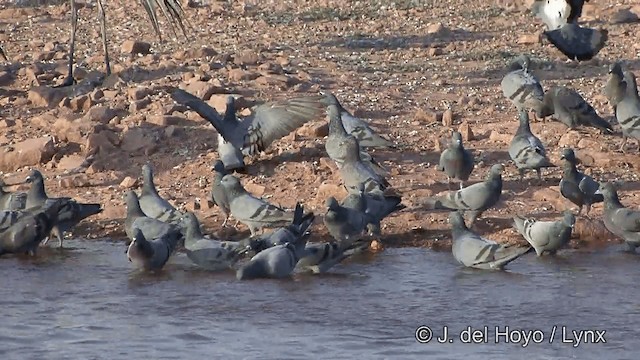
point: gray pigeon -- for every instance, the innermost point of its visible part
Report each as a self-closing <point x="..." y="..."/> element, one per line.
<point x="152" y="204"/>
<point x="218" y="193"/>
<point x="622" y="222"/>
<point x="570" y="108"/>
<point x="11" y="201"/>
<point x="376" y="205"/>
<point x="357" y="127"/>
<point x="71" y="212"/>
<point x="22" y="231"/>
<point x="456" y="161"/>
<point x="628" y="109"/>
<point x="231" y="156"/>
<point x="578" y="187"/>
<point x="152" y="254"/>
<point x="474" y="199"/>
<point x="151" y="228"/>
<point x="563" y="31"/>
<point x="209" y="254"/>
<point x="546" y="236"/>
<point x="250" y="210"/>
<point x="521" y="86"/>
<point x="345" y="224"/>
<point x="355" y="172"/>
<point x="337" y="134"/>
<point x="472" y="250"/>
<point x="318" y="258"/>
<point x="3" y="54"/>
<point x="616" y="87"/>
<point x="526" y="150"/>
<point x="268" y="123"/>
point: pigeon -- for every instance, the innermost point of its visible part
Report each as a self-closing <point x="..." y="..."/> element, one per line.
<point x="152" y="204"/>
<point x="376" y="205"/>
<point x="22" y="231"/>
<point x="521" y="86"/>
<point x="616" y="87"/>
<point x="71" y="212"/>
<point x="628" y="109"/>
<point x="546" y="236"/>
<point x="152" y="254"/>
<point x="474" y="199"/>
<point x="526" y="150"/>
<point x="357" y="127"/>
<point x="472" y="250"/>
<point x="268" y="123"/>
<point x="3" y="54"/>
<point x="621" y="221"/>
<point x="337" y="134"/>
<point x="209" y="254"/>
<point x="578" y="187"/>
<point x="561" y="18"/>
<point x="345" y="224"/>
<point x="354" y="171"/>
<point x="231" y="156"/>
<point x="250" y="210"/>
<point x="298" y="228"/>
<point x="11" y="201"/>
<point x="456" y="161"/>
<point x="136" y="219"/>
<point x="218" y="194"/>
<point x="318" y="258"/>
<point x="570" y="108"/>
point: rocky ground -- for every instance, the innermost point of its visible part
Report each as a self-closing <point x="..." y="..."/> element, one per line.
<point x="403" y="64"/>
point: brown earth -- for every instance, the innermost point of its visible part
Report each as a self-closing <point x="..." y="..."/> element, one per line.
<point x="400" y="64"/>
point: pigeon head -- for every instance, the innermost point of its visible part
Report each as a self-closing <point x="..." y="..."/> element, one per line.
<point x="568" y="155"/>
<point x="630" y="79"/>
<point x="252" y="270"/>
<point x="608" y="191"/>
<point x="147" y="172"/>
<point x="190" y="221"/>
<point x="218" y="166"/>
<point x="139" y="249"/>
<point x="456" y="139"/>
<point x="523" y="117"/>
<point x="34" y="176"/>
<point x="231" y="184"/>
<point x="332" y="204"/>
<point x="568" y="218"/>
<point x="351" y="149"/>
<point x="616" y="68"/>
<point x="231" y="102"/>
<point x="496" y="171"/>
<point x="329" y="99"/>
<point x="457" y="220"/>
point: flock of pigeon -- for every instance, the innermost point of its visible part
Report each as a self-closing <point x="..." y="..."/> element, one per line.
<point x="156" y="229"/>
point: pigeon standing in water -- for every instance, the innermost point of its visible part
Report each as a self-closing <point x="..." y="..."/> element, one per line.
<point x="344" y="223"/>
<point x="268" y="123"/>
<point x="472" y="250"/>
<point x="578" y="187"/>
<point x="11" y="201"/>
<point x="570" y="108"/>
<point x="526" y="150"/>
<point x="151" y="228"/>
<point x="546" y="236"/>
<point x="152" y="254"/>
<point x="152" y="204"/>
<point x="71" y="212"/>
<point x="561" y="18"/>
<point x="250" y="210"/>
<point x="622" y="222"/>
<point x="357" y="127"/>
<point x="474" y="199"/>
<point x="521" y="87"/>
<point x="22" y="232"/>
<point x="456" y="161"/>
<point x="375" y="205"/>
<point x="218" y="193"/>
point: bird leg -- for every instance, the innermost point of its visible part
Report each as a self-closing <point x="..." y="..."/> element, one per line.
<point x="224" y="223"/>
<point x="624" y="142"/>
<point x="103" y="30"/>
<point x="461" y="184"/>
<point x="55" y="231"/>
<point x="74" y="24"/>
<point x="521" y="173"/>
<point x="448" y="182"/>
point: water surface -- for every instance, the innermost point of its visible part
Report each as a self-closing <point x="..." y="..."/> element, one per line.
<point x="86" y="302"/>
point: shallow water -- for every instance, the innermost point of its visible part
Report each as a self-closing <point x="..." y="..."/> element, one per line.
<point x="85" y="302"/>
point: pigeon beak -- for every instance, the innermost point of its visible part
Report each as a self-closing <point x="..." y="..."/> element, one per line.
<point x="598" y="192"/>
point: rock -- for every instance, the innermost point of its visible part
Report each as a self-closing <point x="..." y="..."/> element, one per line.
<point x="80" y="103"/>
<point x="504" y="138"/>
<point x="465" y="130"/>
<point x="96" y="95"/>
<point x="165" y="120"/>
<point x="69" y="162"/>
<point x="376" y="246"/>
<point x="447" y="118"/>
<point x="569" y="139"/>
<point x="6" y="123"/>
<point x="551" y="196"/>
<point x="325" y="190"/>
<point x="529" y="39"/>
<point x="75" y="181"/>
<point x="271" y="68"/>
<point x="318" y="130"/>
<point x="129" y="183"/>
<point x="203" y="90"/>
<point x="201" y="53"/>
<point x="427" y="116"/>
<point x="591" y="230"/>
<point x="281" y="81"/>
<point x="135" y="47"/>
<point x="437" y="29"/>
<point x="103" y="142"/>
<point x="74" y="130"/>
<point x="624" y="16"/>
<point x="138" y="140"/>
<point x="136" y="106"/>
<point x="101" y="114"/>
<point x="255" y="189"/>
<point x="5" y="78"/>
<point x="138" y="93"/>
<point x="30" y="152"/>
<point x="239" y="75"/>
<point x="43" y="96"/>
<point x="435" y="51"/>
<point x="328" y="164"/>
<point x="246" y="58"/>
<point x="219" y="102"/>
<point x="170" y="131"/>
